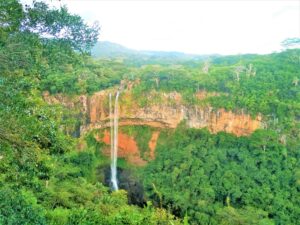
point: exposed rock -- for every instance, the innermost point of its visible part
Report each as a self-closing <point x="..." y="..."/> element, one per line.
<point x="168" y="112"/>
<point x="83" y="100"/>
<point x="152" y="144"/>
<point x="96" y="106"/>
<point x="169" y="116"/>
<point x="127" y="148"/>
<point x="58" y="99"/>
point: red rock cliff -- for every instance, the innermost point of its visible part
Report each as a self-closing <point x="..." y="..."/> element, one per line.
<point x="127" y="148"/>
<point x="168" y="114"/>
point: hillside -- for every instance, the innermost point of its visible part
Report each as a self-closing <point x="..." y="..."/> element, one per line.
<point x="234" y="120"/>
<point x="106" y="49"/>
<point x="44" y="178"/>
<point x="209" y="140"/>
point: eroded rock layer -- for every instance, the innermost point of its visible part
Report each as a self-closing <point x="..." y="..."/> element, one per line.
<point x="127" y="148"/>
<point x="168" y="113"/>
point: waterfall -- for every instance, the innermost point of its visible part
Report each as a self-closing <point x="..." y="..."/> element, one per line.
<point x="114" y="140"/>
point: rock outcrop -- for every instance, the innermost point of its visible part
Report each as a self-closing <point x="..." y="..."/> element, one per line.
<point x="168" y="112"/>
<point x="127" y="148"/>
<point x="152" y="144"/>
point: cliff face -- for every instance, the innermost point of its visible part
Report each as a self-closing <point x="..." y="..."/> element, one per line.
<point x="127" y="148"/>
<point x="167" y="112"/>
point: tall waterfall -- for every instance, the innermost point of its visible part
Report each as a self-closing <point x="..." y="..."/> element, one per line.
<point x="114" y="140"/>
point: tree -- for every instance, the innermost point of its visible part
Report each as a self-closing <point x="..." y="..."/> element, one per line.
<point x="11" y="15"/>
<point x="60" y="25"/>
<point x="206" y="67"/>
<point x="237" y="71"/>
<point x="19" y="208"/>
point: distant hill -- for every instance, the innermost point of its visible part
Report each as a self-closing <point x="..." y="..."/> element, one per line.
<point x="106" y="49"/>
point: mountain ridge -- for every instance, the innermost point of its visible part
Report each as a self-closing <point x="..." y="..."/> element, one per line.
<point x="107" y="49"/>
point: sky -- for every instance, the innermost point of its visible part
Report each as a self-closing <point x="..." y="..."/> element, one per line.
<point x="199" y="27"/>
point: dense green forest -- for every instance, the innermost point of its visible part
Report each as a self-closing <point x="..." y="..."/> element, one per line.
<point x="226" y="180"/>
<point x="196" y="177"/>
<point x="44" y="180"/>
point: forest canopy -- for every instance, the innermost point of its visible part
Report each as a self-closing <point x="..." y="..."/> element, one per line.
<point x="49" y="174"/>
<point x="44" y="180"/>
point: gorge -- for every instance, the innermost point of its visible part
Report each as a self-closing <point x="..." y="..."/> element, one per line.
<point x="150" y="138"/>
<point x="167" y="113"/>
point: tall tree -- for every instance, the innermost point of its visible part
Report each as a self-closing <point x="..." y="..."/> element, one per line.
<point x="60" y="25"/>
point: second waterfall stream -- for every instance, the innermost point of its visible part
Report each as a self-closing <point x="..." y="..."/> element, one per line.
<point x="114" y="140"/>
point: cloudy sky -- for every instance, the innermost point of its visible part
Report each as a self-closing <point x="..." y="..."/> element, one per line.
<point x="202" y="27"/>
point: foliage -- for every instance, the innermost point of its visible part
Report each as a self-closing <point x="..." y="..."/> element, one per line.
<point x="43" y="178"/>
<point x="222" y="179"/>
<point x="20" y="208"/>
<point x="203" y="178"/>
<point x="60" y="25"/>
